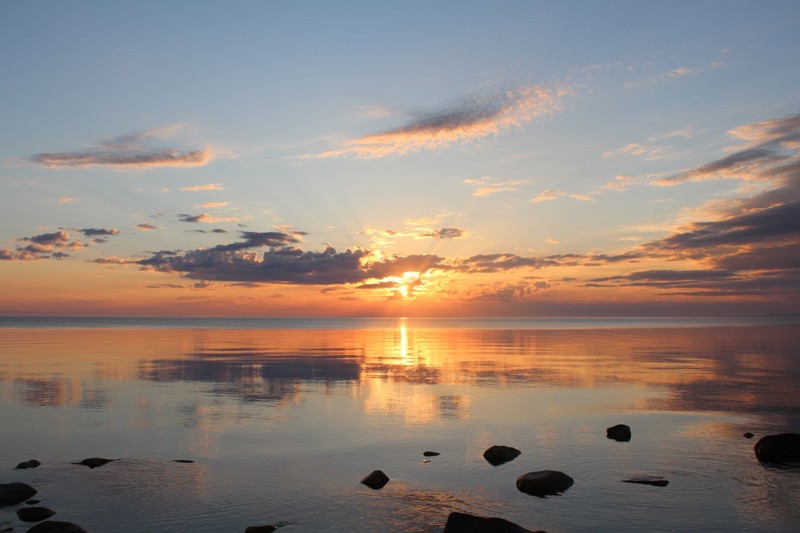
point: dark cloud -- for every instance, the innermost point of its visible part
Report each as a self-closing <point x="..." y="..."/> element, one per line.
<point x="446" y="233"/>
<point x="111" y="261"/>
<point x="490" y="263"/>
<point x="194" y="218"/>
<point x="127" y="152"/>
<point x="7" y="255"/>
<point x="146" y="227"/>
<point x="57" y="238"/>
<point x="255" y="239"/>
<point x="92" y="232"/>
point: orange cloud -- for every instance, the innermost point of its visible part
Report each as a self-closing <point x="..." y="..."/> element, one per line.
<point x="206" y="187"/>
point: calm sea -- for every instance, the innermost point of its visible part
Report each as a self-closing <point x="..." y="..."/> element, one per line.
<point x="283" y="417"/>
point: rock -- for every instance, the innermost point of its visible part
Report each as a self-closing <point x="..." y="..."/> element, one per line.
<point x="33" y="463"/>
<point x="32" y="502"/>
<point x="544" y="482"/>
<point x="182" y="461"/>
<point x="54" y="526"/>
<point x="94" y="462"/>
<point x="376" y="480"/>
<point x="748" y="435"/>
<point x="648" y="480"/>
<point x="619" y="433"/>
<point x="467" y="523"/>
<point x="14" y="493"/>
<point x="430" y="454"/>
<point x="778" y="448"/>
<point x="497" y="455"/>
<point x="34" y="514"/>
<point x="260" y="529"/>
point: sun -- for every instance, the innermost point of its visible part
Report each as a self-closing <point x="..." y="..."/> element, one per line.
<point x="407" y="283"/>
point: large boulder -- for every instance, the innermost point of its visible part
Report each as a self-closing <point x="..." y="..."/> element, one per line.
<point x="55" y="526"/>
<point x="375" y="480"/>
<point x="544" y="483"/>
<point x="14" y="493"/>
<point x="619" y="433"/>
<point x="781" y="448"/>
<point x="497" y="455"/>
<point x="34" y="514"/>
<point x="467" y="523"/>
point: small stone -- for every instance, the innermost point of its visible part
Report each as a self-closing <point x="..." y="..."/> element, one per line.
<point x="33" y="463"/>
<point x="426" y="461"/>
<point x="497" y="455"/>
<point x="748" y="435"/>
<point x="94" y="462"/>
<point x="34" y="514"/>
<point x="619" y="433"/>
<point x="260" y="529"/>
<point x="430" y="454"/>
<point x="648" y="480"/>
<point x="182" y="461"/>
<point x="55" y="526"/>
<point x="14" y="493"/>
<point x="376" y="480"/>
<point x="544" y="482"/>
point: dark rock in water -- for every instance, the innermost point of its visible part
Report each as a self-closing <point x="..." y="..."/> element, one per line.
<point x="778" y="448"/>
<point x="32" y="502"/>
<point x="497" y="455"/>
<point x="544" y="483"/>
<point x="619" y="433"/>
<point x="648" y="480"/>
<point x="34" y="514"/>
<point x="182" y="461"/>
<point x="14" y="493"/>
<point x="54" y="526"/>
<point x="376" y="480"/>
<point x="467" y="523"/>
<point x="94" y="462"/>
<point x="430" y="454"/>
<point x="33" y="463"/>
<point x="260" y="529"/>
<point x="748" y="435"/>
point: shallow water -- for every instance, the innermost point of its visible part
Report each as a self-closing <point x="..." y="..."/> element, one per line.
<point x="283" y="423"/>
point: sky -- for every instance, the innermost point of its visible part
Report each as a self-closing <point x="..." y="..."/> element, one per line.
<point x="505" y="158"/>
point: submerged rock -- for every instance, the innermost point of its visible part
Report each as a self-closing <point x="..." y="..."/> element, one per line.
<point x="778" y="448"/>
<point x="94" y="462"/>
<point x="648" y="480"/>
<point x="619" y="433"/>
<point x="34" y="514"/>
<point x="14" y="493"/>
<point x="55" y="526"/>
<point x="375" y="480"/>
<point x="33" y="463"/>
<point x="544" y="483"/>
<point x="497" y="455"/>
<point x="748" y="435"/>
<point x="467" y="523"/>
<point x="182" y="461"/>
<point x="430" y="454"/>
<point x="260" y="529"/>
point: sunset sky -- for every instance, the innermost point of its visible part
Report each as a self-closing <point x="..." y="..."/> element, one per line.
<point x="400" y="159"/>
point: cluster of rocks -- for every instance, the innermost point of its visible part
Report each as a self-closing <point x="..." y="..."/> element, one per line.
<point x="17" y="493"/>
<point x="771" y="449"/>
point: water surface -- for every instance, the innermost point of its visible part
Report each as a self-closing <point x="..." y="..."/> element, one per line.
<point x="283" y="420"/>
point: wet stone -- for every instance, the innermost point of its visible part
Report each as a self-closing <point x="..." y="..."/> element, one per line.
<point x="375" y="480"/>
<point x="497" y="455"/>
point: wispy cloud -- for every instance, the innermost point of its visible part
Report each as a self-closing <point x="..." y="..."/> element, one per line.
<point x="486" y="186"/>
<point x="131" y="151"/>
<point x="646" y="152"/>
<point x="446" y="233"/>
<point x="468" y="121"/>
<point x="205" y="218"/>
<point x="66" y="200"/>
<point x="206" y="187"/>
<point x="146" y="227"/>
<point x="213" y="205"/>
<point x="547" y="196"/>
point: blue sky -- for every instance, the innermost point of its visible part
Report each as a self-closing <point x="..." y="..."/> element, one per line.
<point x="566" y="141"/>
